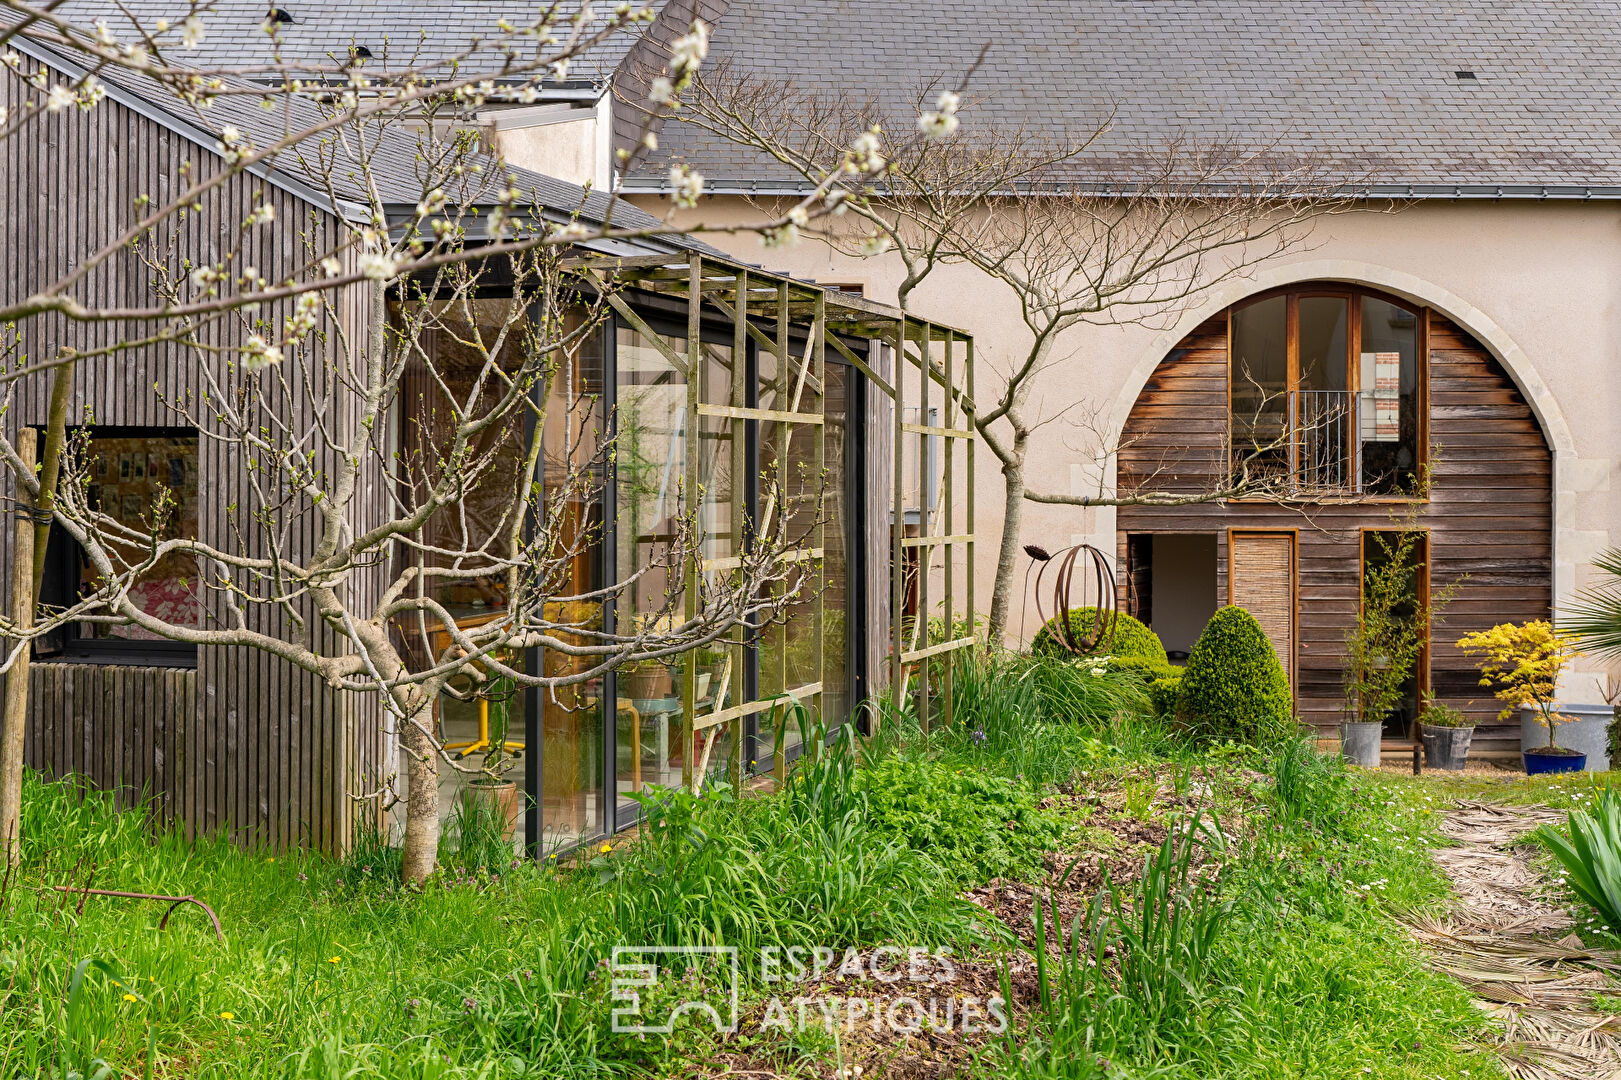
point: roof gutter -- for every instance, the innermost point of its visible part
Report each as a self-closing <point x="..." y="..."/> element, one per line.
<point x="1561" y="192"/>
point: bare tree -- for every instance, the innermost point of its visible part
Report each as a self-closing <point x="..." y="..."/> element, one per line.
<point x="1074" y="236"/>
<point x="338" y="561"/>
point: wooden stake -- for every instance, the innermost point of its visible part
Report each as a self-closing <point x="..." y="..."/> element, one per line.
<point x="15" y="721"/>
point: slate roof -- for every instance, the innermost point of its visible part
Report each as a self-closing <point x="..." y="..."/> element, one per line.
<point x="1368" y="85"/>
<point x="394" y="157"/>
<point x="404" y="32"/>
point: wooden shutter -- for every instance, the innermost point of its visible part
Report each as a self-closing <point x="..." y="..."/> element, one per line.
<point x="1261" y="580"/>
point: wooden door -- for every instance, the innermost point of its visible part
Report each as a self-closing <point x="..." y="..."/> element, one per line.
<point x="1261" y="580"/>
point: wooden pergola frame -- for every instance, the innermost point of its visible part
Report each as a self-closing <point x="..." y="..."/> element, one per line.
<point x="771" y="310"/>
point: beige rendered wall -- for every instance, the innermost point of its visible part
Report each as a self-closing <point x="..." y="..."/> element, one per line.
<point x="1539" y="283"/>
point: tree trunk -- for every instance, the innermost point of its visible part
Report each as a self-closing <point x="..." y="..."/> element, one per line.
<point x="1007" y="555"/>
<point x="50" y="467"/>
<point x="421" y="845"/>
<point x="15" y="723"/>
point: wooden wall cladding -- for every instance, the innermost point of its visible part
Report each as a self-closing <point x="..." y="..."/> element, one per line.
<point x="273" y="753"/>
<point x="1490" y="515"/>
<point x="128" y="730"/>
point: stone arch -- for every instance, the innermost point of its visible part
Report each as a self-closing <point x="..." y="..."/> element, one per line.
<point x="1352" y="272"/>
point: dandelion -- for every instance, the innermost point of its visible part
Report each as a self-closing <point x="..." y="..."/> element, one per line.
<point x="332" y="959"/>
<point x="130" y="997"/>
<point x="605" y="848"/>
<point x="227" y="1016"/>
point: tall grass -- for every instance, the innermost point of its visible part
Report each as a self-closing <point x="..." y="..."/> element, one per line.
<point x="1042" y="719"/>
<point x="1288" y="967"/>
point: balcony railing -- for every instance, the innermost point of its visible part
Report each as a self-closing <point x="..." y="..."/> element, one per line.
<point x="1324" y="447"/>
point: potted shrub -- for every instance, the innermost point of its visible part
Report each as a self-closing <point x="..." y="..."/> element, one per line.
<point x="1523" y="663"/>
<point x="647" y="680"/>
<point x="1446" y="733"/>
<point x="499" y="794"/>
<point x="1383" y="647"/>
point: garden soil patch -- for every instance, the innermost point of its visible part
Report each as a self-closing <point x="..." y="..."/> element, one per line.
<point x="1514" y="949"/>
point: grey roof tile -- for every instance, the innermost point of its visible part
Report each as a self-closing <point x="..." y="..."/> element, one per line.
<point x="1367" y="85"/>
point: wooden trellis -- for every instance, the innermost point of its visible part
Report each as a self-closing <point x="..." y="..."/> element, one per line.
<point x="773" y="311"/>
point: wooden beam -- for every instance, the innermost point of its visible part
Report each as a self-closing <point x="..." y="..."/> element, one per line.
<point x="693" y="497"/>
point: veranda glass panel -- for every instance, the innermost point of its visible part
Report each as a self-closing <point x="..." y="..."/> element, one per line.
<point x="453" y="376"/>
<point x="649" y="469"/>
<point x="571" y="729"/>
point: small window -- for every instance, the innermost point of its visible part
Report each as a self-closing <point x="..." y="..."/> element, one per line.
<point x="143" y="480"/>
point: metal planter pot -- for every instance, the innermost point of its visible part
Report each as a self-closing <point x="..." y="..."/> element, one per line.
<point x="1587" y="731"/>
<point x="1446" y="748"/>
<point x="1359" y="743"/>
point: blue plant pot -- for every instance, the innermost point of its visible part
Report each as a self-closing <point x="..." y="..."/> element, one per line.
<point x="1540" y="761"/>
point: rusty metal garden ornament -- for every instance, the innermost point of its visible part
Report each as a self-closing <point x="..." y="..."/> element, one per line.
<point x="1064" y="597"/>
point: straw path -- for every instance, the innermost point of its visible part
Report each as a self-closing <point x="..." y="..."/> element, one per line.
<point x="1512" y="946"/>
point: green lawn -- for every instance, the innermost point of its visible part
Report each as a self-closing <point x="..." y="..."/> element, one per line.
<point x="1288" y="957"/>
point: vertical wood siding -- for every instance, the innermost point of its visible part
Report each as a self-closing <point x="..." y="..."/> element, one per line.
<point x="268" y="752"/>
<point x="1489" y="515"/>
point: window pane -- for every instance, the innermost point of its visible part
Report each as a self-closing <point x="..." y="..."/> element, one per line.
<point x="1322" y="342"/>
<point x="1260" y="383"/>
<point x="148" y="484"/>
<point x="1388" y="402"/>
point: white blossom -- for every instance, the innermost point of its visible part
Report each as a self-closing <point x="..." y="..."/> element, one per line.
<point x="782" y="236"/>
<point x="942" y="121"/>
<point x="191" y="31"/>
<point x="302" y="320"/>
<point x="662" y="92"/>
<point x="331" y="267"/>
<point x="688" y="51"/>
<point x="379" y="265"/>
<point x="865" y="154"/>
<point x="875" y="243"/>
<point x="262" y="214"/>
<point x="686" y="186"/>
<point x="258" y="353"/>
<point x="798" y="216"/>
<point x="59" y="98"/>
<point x="104" y="36"/>
<point x="431" y="203"/>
